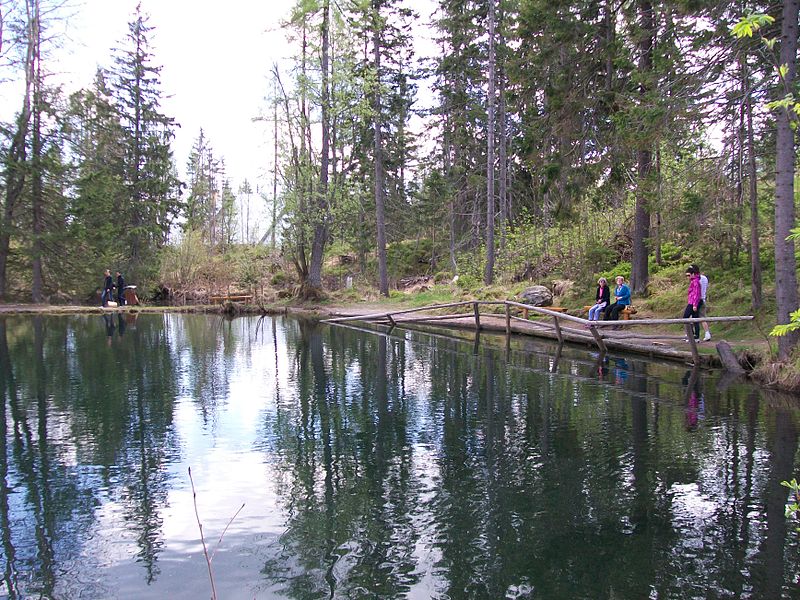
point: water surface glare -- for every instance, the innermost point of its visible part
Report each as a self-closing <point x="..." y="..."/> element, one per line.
<point x="411" y="465"/>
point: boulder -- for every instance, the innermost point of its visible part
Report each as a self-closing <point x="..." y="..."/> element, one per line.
<point x="537" y="295"/>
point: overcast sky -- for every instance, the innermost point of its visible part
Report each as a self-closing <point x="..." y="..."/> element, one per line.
<point x="215" y="58"/>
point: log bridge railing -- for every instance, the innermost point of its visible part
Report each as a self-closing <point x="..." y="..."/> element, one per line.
<point x="599" y="331"/>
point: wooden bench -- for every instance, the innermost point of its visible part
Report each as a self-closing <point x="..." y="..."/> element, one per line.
<point x="230" y="298"/>
<point x="625" y="312"/>
<point x="559" y="309"/>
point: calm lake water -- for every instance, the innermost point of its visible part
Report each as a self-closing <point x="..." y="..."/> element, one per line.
<point x="413" y="465"/>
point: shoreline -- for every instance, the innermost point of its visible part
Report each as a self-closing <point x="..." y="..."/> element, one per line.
<point x="322" y="311"/>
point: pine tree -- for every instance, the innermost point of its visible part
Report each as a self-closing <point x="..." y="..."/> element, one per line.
<point x="153" y="187"/>
<point x="94" y="139"/>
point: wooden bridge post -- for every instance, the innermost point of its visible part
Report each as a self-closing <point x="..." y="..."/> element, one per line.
<point x="692" y="343"/>
<point x="508" y="320"/>
<point x="559" y="335"/>
<point x="476" y="309"/>
<point x="599" y="339"/>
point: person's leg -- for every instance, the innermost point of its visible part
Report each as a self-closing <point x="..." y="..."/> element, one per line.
<point x="701" y="310"/>
<point x="593" y="312"/>
<point x="690" y="313"/>
<point x="609" y="311"/>
<point x="614" y="311"/>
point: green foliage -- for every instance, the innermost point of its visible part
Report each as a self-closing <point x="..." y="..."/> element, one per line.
<point x="468" y="282"/>
<point x="623" y="268"/>
<point x="279" y="279"/>
<point x="750" y="24"/>
<point x="793" y="506"/>
<point x="597" y="257"/>
<point x="671" y="253"/>
<point x="409" y="257"/>
<point x="792" y="325"/>
<point x="442" y="277"/>
<point x="435" y="295"/>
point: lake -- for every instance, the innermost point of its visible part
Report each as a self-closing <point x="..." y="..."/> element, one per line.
<point x="335" y="462"/>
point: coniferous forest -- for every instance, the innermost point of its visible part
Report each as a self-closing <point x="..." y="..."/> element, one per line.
<point x="531" y="141"/>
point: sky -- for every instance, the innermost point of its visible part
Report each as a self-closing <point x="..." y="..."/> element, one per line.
<point x="215" y="60"/>
<point x="215" y="57"/>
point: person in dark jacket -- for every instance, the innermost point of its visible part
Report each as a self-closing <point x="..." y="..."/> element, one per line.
<point x="601" y="299"/>
<point x="120" y="289"/>
<point x="108" y="288"/>
<point x="622" y="298"/>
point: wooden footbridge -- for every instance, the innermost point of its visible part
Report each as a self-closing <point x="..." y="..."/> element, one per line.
<point x="554" y="324"/>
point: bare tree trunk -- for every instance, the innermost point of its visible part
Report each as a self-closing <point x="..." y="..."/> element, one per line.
<point x="15" y="163"/>
<point x="37" y="177"/>
<point x="380" y="172"/>
<point x="756" y="294"/>
<point x="488" y="275"/>
<point x="641" y="224"/>
<point x="303" y="191"/>
<point x="785" y="263"/>
<point x="321" y="225"/>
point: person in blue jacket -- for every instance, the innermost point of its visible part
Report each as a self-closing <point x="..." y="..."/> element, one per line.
<point x="622" y="298"/>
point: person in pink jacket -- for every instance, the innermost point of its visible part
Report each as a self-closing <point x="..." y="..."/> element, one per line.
<point x="693" y="296"/>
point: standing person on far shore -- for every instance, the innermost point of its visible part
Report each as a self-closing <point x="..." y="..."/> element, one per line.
<point x="703" y="308"/>
<point x="693" y="300"/>
<point x="108" y="288"/>
<point x="120" y="289"/>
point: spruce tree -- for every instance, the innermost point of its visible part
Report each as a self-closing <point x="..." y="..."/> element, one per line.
<point x="149" y="175"/>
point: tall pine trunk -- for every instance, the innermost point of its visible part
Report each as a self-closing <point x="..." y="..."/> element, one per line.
<point x="380" y="169"/>
<point x="488" y="275"/>
<point x="785" y="263"/>
<point x="641" y="223"/>
<point x="503" y="137"/>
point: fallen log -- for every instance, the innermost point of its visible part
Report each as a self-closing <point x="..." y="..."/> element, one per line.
<point x="728" y="358"/>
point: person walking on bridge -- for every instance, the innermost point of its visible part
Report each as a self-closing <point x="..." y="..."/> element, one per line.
<point x="693" y="298"/>
<point x="703" y="307"/>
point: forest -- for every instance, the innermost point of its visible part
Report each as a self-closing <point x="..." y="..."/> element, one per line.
<point x="537" y="141"/>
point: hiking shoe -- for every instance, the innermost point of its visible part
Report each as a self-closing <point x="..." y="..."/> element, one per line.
<point x="707" y="336"/>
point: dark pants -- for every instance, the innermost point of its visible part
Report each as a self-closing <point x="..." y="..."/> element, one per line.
<point x="612" y="312"/>
<point x="121" y="297"/>
<point x="691" y="313"/>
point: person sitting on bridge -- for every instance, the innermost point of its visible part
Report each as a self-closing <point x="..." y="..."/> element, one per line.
<point x="622" y="299"/>
<point x="602" y="298"/>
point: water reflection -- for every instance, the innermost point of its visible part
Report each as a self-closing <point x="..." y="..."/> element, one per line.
<point x="374" y="465"/>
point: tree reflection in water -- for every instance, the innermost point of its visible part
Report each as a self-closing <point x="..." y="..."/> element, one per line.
<point x="496" y="474"/>
<point x="406" y="465"/>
